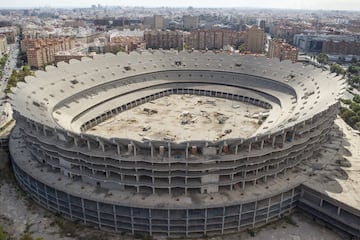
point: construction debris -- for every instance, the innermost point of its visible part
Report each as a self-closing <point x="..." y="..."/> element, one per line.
<point x="150" y="111"/>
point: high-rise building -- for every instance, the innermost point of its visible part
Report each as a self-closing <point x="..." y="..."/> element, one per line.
<point x="158" y="22"/>
<point x="262" y="24"/>
<point x="255" y="40"/>
<point x="282" y="50"/>
<point x="190" y="22"/>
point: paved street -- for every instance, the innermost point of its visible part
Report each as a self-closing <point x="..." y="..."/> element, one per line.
<point x="9" y="66"/>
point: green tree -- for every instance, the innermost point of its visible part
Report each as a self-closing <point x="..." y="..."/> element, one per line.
<point x="356" y="98"/>
<point x="336" y="68"/>
<point x="355" y="107"/>
<point x="347" y="114"/>
<point x="322" y="58"/>
<point x="27" y="236"/>
<point x="354" y="69"/>
<point x="357" y="126"/>
<point x="3" y="234"/>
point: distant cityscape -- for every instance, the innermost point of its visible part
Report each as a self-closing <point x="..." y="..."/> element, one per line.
<point x="48" y="36"/>
<point x="179" y="122"/>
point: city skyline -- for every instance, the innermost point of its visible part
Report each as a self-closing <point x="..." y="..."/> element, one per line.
<point x="297" y="4"/>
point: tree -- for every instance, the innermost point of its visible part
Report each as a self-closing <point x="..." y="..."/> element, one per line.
<point x="27" y="236"/>
<point x="355" y="107"/>
<point x="322" y="58"/>
<point x="356" y="98"/>
<point x="336" y="68"/>
<point x="3" y="234"/>
<point x="357" y="126"/>
<point x="354" y="69"/>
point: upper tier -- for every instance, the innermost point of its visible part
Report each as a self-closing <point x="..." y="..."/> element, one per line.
<point x="71" y="96"/>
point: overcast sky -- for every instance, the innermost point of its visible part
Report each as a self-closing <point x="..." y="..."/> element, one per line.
<point x="293" y="4"/>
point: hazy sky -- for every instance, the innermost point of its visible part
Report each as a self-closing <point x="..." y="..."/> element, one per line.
<point x="293" y="4"/>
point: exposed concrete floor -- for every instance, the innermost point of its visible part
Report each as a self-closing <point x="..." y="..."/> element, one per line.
<point x="18" y="213"/>
<point x="335" y="171"/>
<point x="191" y="117"/>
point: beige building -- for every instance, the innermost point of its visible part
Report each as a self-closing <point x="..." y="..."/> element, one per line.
<point x="190" y="22"/>
<point x="215" y="39"/>
<point x="3" y="44"/>
<point x="127" y="43"/>
<point x="158" y="22"/>
<point x="42" y="51"/>
<point x="165" y="39"/>
<point x="255" y="40"/>
<point x="282" y="50"/>
<point x="10" y="33"/>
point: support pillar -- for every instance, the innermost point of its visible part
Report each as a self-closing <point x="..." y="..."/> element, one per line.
<point x="273" y="141"/>
<point x="169" y="150"/>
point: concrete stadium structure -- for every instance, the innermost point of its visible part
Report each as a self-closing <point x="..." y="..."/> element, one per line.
<point x="163" y="186"/>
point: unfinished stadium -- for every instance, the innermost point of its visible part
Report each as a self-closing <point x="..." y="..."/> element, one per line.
<point x="175" y="143"/>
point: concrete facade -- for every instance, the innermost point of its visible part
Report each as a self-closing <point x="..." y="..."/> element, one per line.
<point x="163" y="187"/>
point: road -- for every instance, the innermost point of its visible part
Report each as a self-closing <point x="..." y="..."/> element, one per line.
<point x="10" y="65"/>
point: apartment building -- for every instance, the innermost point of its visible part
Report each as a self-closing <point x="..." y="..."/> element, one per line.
<point x="255" y="40"/>
<point x="165" y="39"/>
<point x="42" y="51"/>
<point x="215" y="39"/>
<point x="282" y="50"/>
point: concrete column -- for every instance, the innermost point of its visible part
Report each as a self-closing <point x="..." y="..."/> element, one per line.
<point x="134" y="148"/>
<point x="151" y="150"/>
<point x="321" y="202"/>
<point x="75" y="141"/>
<point x="187" y="150"/>
<point x="115" y="218"/>
<point x="187" y="221"/>
<point x="249" y="147"/>
<point x="205" y="221"/>
<point x="44" y="131"/>
<point x="98" y="213"/>
<point x="254" y="217"/>
<point x="284" y="138"/>
<point x="236" y="149"/>
<point x="338" y="211"/>
<point x="293" y="135"/>
<point x="150" y="222"/>
<point x="168" y="218"/>
<point x="169" y="150"/>
<point x="281" y="202"/>
<point x="102" y="145"/>
<point x="69" y="204"/>
<point x="83" y="210"/>
<point x="262" y="144"/>
<point x="223" y="221"/>
<point x="240" y="210"/>
<point x="88" y="144"/>
<point x="268" y="210"/>
<point x="273" y="141"/>
<point x="132" y="220"/>
<point x="118" y="148"/>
